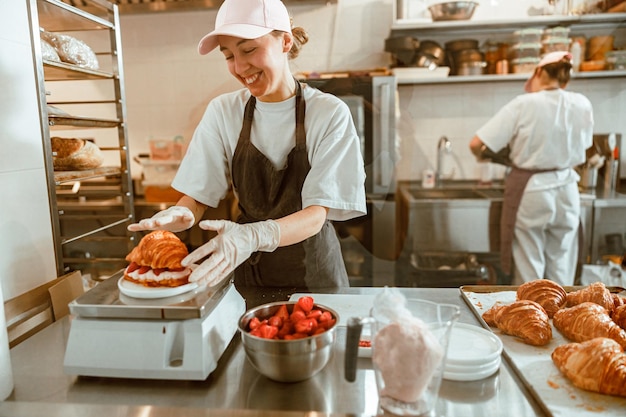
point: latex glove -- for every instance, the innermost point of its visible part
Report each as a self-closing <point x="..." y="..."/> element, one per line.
<point x="174" y="219"/>
<point x="233" y="244"/>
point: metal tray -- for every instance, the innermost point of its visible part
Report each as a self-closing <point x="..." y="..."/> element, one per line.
<point x="554" y="393"/>
<point x="105" y="301"/>
<point x="67" y="122"/>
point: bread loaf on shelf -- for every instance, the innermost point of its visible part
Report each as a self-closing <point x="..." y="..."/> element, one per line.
<point x="75" y="154"/>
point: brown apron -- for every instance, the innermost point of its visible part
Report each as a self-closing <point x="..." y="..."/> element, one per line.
<point x="268" y="193"/>
<point x="514" y="186"/>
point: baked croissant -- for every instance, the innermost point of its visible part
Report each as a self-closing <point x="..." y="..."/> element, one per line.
<point x="618" y="300"/>
<point x="595" y="293"/>
<point x="586" y="321"/>
<point x="525" y="319"/>
<point x="159" y="249"/>
<point x="597" y="365"/>
<point x="548" y="294"/>
<point x="619" y="316"/>
<point x="156" y="261"/>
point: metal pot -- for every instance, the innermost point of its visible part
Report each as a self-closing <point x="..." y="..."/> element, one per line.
<point x="471" y="68"/>
<point x="286" y="360"/>
<point x="452" y="10"/>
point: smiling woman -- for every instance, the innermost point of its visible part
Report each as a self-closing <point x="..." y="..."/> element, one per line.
<point x="291" y="178"/>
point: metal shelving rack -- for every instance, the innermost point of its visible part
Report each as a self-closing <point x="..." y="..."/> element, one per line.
<point x="89" y="209"/>
<point x="590" y="24"/>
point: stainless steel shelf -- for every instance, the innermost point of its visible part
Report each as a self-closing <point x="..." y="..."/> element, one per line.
<point x="423" y="25"/>
<point x="506" y="77"/>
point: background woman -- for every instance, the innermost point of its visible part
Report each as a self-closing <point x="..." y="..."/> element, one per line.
<point x="548" y="132"/>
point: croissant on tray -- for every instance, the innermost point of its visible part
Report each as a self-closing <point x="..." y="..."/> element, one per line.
<point x="525" y="319"/>
<point x="586" y="321"/>
<point x="597" y="365"/>
<point x="619" y="316"/>
<point x="548" y="294"/>
<point x="595" y="293"/>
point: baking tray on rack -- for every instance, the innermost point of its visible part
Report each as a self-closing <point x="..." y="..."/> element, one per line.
<point x="68" y="122"/>
<point x="556" y="395"/>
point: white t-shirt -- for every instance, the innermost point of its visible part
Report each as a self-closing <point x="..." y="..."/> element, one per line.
<point x="547" y="129"/>
<point x="337" y="176"/>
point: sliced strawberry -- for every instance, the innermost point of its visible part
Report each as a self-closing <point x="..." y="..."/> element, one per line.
<point x="296" y="316"/>
<point x="314" y="314"/>
<point x="158" y="271"/>
<point x="132" y="267"/>
<point x="306" y="303"/>
<point x="143" y="269"/>
<point x="286" y="329"/>
<point x="325" y="316"/>
<point x="275" y="321"/>
<point x="254" y="323"/>
<point x="267" y="332"/>
<point x="282" y="313"/>
<point x="306" y="326"/>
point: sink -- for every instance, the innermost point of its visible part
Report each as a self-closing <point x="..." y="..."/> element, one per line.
<point x="446" y="194"/>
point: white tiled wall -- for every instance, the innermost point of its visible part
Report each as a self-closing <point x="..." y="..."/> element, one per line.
<point x="26" y="250"/>
<point x="168" y="84"/>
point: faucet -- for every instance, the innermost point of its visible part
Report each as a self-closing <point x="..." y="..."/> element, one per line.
<point x="444" y="145"/>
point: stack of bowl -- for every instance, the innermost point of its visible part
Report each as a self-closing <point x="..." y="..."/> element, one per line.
<point x="465" y="57"/>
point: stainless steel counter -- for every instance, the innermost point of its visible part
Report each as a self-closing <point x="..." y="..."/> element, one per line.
<point x="235" y="388"/>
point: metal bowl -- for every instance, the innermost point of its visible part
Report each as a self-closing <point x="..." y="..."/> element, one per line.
<point x="286" y="360"/>
<point x="452" y="10"/>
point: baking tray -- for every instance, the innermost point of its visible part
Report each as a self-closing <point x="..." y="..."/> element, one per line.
<point x="105" y="301"/>
<point x="67" y="122"/>
<point x="554" y="393"/>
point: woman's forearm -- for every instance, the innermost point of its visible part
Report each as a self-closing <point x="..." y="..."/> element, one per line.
<point x="301" y="225"/>
<point x="196" y="208"/>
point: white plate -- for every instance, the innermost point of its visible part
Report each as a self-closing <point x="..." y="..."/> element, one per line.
<point x="131" y="289"/>
<point x="471" y="368"/>
<point x="472" y="346"/>
<point x="471" y="376"/>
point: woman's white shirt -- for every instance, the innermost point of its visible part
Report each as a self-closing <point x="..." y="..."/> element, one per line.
<point x="337" y="176"/>
<point x="546" y="130"/>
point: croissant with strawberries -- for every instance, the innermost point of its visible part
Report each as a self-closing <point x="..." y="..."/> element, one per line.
<point x="597" y="365"/>
<point x="155" y="262"/>
<point x="586" y="321"/>
<point x="525" y="319"/>
<point x="595" y="293"/>
<point x="548" y="294"/>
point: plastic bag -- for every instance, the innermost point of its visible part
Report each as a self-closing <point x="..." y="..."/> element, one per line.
<point x="72" y="50"/>
<point x="48" y="52"/>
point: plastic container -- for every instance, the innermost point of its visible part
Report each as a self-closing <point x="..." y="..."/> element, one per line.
<point x="555" y="44"/>
<point x="525" y="50"/>
<point x="615" y="60"/>
<point x="528" y="35"/>
<point x="524" y="65"/>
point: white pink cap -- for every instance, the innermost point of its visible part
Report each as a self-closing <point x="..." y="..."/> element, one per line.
<point x="246" y="19"/>
<point x="549" y="58"/>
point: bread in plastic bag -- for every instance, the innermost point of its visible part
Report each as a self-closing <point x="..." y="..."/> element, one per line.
<point x="48" y="52"/>
<point x="72" y="50"/>
<point x="73" y="154"/>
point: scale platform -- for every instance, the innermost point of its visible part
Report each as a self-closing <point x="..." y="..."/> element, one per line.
<point x="179" y="337"/>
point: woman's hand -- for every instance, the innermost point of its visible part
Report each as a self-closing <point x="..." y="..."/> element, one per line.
<point x="174" y="219"/>
<point x="233" y="244"/>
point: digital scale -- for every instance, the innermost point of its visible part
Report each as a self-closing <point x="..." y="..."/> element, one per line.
<point x="177" y="337"/>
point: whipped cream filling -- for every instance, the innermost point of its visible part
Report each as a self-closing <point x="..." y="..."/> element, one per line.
<point x="151" y="276"/>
